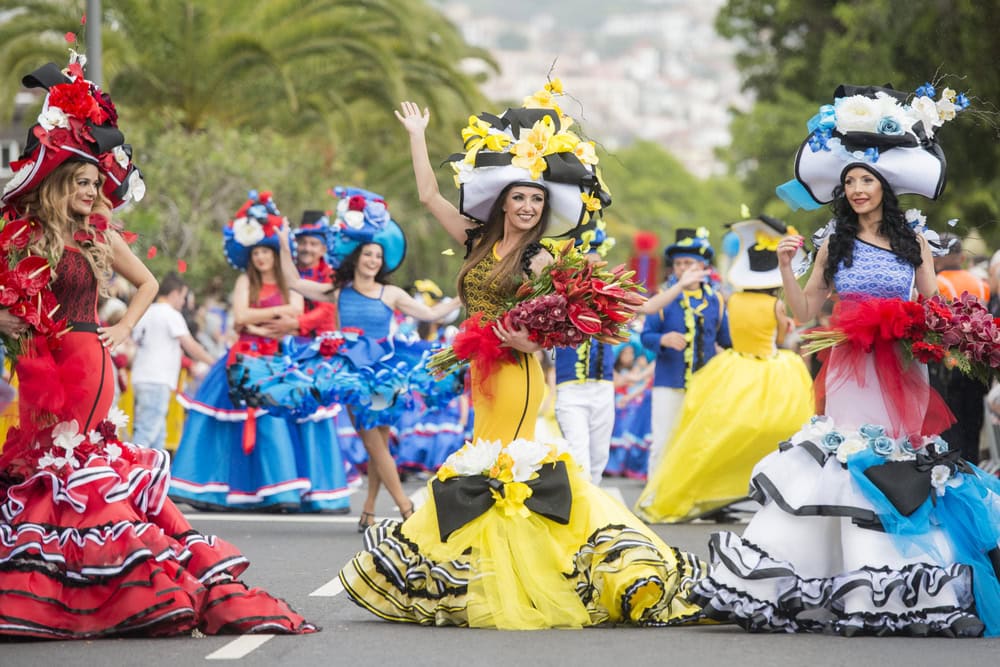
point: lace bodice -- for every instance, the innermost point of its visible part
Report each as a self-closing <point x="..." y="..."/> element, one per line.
<point x="75" y="287"/>
<point x="482" y="295"/>
<point x="876" y="272"/>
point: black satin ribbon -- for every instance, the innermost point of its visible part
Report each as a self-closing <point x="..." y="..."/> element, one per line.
<point x="459" y="500"/>
<point x="907" y="484"/>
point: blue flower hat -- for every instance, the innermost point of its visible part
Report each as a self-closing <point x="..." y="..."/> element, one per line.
<point x="884" y="130"/>
<point x="256" y="223"/>
<point x="363" y="217"/>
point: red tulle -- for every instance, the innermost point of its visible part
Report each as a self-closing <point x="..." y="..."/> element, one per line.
<point x="47" y="386"/>
<point x="478" y="343"/>
<point x="874" y="327"/>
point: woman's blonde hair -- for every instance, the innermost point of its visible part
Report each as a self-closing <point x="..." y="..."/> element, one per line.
<point x="256" y="280"/>
<point x="48" y="204"/>
<point x="508" y="273"/>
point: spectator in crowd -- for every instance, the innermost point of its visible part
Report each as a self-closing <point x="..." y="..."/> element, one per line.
<point x="159" y="337"/>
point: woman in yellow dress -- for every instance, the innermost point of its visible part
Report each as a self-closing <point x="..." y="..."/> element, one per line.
<point x="499" y="544"/>
<point x="742" y="403"/>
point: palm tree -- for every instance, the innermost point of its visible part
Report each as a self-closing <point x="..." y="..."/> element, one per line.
<point x="295" y="64"/>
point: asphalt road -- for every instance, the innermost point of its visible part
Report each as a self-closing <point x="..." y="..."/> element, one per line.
<point x="297" y="558"/>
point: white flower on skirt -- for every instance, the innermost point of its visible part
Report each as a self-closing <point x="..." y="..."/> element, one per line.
<point x="475" y="459"/>
<point x="527" y="456"/>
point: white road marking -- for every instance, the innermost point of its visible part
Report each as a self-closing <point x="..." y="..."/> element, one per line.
<point x="239" y="647"/>
<point x="329" y="589"/>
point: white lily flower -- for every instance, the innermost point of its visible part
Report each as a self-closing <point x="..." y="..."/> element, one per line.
<point x="527" y="456"/>
<point x="66" y="436"/>
<point x="53" y="117"/>
<point x="117" y="417"/>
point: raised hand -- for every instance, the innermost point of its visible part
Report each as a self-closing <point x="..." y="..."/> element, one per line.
<point x="787" y="248"/>
<point x="414" y="120"/>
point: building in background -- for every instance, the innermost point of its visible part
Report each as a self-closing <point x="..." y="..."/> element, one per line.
<point x="653" y="70"/>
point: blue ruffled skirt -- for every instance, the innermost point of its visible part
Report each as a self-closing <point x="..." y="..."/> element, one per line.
<point x="295" y="464"/>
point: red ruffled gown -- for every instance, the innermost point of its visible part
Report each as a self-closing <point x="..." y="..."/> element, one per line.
<point x="90" y="545"/>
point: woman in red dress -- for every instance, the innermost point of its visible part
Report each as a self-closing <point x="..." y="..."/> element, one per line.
<point x="90" y="545"/>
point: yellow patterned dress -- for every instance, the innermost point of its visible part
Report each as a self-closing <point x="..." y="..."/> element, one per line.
<point x="736" y="410"/>
<point x="511" y="567"/>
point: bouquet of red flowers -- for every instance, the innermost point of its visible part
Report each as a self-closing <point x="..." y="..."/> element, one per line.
<point x="961" y="333"/>
<point x="24" y="285"/>
<point x="571" y="300"/>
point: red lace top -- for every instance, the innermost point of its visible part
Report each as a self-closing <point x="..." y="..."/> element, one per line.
<point x="76" y="288"/>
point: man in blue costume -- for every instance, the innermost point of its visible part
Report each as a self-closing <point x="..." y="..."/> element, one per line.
<point x="684" y="333"/>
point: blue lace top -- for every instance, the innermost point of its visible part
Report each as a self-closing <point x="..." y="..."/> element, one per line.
<point x="876" y="272"/>
<point x="366" y="313"/>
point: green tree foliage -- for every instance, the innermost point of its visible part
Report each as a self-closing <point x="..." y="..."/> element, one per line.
<point x="795" y="53"/>
<point x="652" y="190"/>
<point x="296" y="96"/>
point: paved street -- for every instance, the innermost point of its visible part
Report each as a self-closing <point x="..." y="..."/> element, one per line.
<point x="298" y="557"/>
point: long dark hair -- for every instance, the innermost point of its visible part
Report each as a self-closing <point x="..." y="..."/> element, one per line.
<point x="345" y="272"/>
<point x="507" y="274"/>
<point x="902" y="239"/>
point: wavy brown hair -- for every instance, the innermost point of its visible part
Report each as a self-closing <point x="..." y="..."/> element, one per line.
<point x="48" y="204"/>
<point x="507" y="275"/>
<point x="256" y="280"/>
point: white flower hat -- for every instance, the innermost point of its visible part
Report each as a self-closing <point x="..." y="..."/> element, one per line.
<point x="530" y="145"/>
<point x="884" y="130"/>
<point x="755" y="265"/>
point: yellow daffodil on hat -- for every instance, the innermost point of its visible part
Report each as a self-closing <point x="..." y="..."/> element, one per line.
<point x="531" y="145"/>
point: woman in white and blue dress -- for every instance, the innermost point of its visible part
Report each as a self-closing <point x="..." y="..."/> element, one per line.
<point x="869" y="524"/>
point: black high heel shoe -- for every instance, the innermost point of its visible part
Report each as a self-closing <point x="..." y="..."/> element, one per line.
<point x="407" y="513"/>
<point x="366" y="521"/>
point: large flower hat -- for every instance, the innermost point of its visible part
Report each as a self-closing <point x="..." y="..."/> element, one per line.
<point x="363" y="217"/>
<point x="691" y="243"/>
<point x="530" y="145"/>
<point x="256" y="223"/>
<point x="886" y="131"/>
<point x="755" y="265"/>
<point x="77" y="121"/>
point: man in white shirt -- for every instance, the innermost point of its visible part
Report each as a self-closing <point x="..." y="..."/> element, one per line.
<point x="160" y="336"/>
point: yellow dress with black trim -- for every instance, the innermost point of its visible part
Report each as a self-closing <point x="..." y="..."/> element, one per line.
<point x="510" y="567"/>
<point x="737" y="408"/>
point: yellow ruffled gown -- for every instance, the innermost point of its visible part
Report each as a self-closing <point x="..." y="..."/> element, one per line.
<point x="736" y="410"/>
<point x="513" y="568"/>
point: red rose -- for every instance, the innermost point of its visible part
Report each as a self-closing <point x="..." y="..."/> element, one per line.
<point x="356" y="203"/>
<point x="329" y="346"/>
<point x="76" y="100"/>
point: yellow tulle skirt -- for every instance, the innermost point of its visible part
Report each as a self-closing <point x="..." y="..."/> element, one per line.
<point x="737" y="409"/>
<point x="516" y="570"/>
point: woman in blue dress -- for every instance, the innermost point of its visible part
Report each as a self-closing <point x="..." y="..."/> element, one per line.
<point x="367" y="246"/>
<point x="236" y="457"/>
